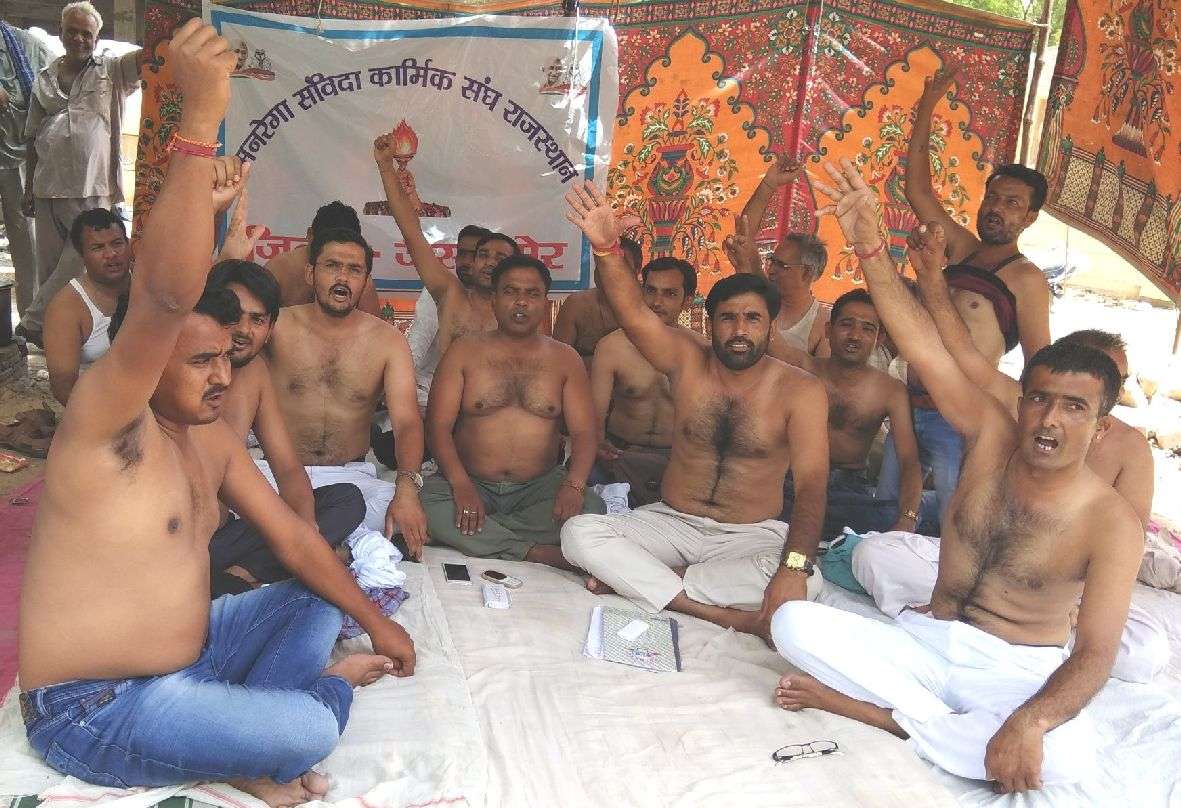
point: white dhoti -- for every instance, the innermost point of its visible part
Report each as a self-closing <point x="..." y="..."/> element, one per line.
<point x="898" y="570"/>
<point x="726" y="564"/>
<point x="950" y="686"/>
<point x="377" y="493"/>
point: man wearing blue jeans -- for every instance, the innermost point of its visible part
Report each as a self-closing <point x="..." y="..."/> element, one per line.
<point x="129" y="676"/>
<point x="940" y="450"/>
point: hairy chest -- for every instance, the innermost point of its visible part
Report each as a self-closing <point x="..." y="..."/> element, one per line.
<point x="501" y="383"/>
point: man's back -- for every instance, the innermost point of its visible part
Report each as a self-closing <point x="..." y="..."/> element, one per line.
<point x="583" y="320"/>
<point x="328" y="388"/>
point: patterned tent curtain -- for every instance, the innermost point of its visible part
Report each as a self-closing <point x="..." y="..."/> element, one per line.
<point x="1111" y="149"/>
<point x="710" y="89"/>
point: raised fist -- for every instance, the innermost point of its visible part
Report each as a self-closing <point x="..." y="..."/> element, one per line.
<point x="201" y="62"/>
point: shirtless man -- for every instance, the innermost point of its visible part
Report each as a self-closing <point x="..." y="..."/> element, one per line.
<point x="462" y="309"/>
<point x="77" y="318"/>
<point x="328" y="389"/>
<point x="797" y="262"/>
<point x="1013" y="196"/>
<point x="495" y="419"/>
<point x="239" y="556"/>
<point x="585" y="318"/>
<point x="290" y="268"/>
<point x="141" y="662"/>
<point x="979" y="680"/>
<point x="900" y="570"/>
<point x="860" y="398"/>
<point x="633" y="400"/>
<point x="713" y="547"/>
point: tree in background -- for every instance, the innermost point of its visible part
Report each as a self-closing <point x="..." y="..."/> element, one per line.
<point x="1029" y="10"/>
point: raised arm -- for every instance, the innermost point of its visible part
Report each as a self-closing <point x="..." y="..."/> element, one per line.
<point x="908" y="323"/>
<point x="63" y="344"/>
<point x="919" y="191"/>
<point x="927" y="251"/>
<point x="780" y="173"/>
<point x="290" y="475"/>
<point x="401" y="398"/>
<point x="666" y="347"/>
<point x="174" y="255"/>
<point x="1014" y="754"/>
<point x="579" y="415"/>
<point x="435" y="276"/>
<point x="741" y="250"/>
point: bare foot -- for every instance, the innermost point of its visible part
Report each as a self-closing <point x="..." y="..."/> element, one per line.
<point x="798" y="691"/>
<point x="597" y="587"/>
<point x="309" y="786"/>
<point x="361" y="669"/>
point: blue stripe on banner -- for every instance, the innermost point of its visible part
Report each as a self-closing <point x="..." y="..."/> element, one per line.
<point x="595" y="37"/>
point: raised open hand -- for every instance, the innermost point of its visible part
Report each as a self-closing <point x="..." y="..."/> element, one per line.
<point x="855" y="205"/>
<point x="782" y="171"/>
<point x="592" y="214"/>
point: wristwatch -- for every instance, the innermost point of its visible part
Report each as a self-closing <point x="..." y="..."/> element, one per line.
<point x="414" y="477"/>
<point x="799" y="562"/>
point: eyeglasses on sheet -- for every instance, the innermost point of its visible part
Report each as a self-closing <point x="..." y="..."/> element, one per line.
<point x="799" y="751"/>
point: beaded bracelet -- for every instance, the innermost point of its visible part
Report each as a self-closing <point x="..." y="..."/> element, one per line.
<point x="193" y="148"/>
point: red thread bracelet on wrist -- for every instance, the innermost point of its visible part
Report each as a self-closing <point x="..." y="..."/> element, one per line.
<point x="872" y="253"/>
<point x="193" y="148"/>
<point x="613" y="248"/>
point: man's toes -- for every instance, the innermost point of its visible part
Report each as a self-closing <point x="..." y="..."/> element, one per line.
<point x="315" y="784"/>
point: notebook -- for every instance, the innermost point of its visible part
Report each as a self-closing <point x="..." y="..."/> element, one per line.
<point x="633" y="638"/>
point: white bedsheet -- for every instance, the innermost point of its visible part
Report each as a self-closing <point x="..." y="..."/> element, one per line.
<point x="1139" y="727"/>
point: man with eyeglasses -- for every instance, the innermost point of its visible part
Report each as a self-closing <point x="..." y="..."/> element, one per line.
<point x="899" y="570"/>
<point x="463" y="308"/>
<point x="331" y="365"/>
<point x="796" y="264"/>
<point x="290" y="268"/>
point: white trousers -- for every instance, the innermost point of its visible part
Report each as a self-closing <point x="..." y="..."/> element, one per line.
<point x="634" y="553"/>
<point x="377" y="493"/>
<point x="950" y="686"/>
<point x="899" y="569"/>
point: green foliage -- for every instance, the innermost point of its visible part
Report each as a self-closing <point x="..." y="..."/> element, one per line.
<point x="1029" y="10"/>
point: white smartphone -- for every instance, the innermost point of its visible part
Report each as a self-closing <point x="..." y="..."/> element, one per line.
<point x="507" y="581"/>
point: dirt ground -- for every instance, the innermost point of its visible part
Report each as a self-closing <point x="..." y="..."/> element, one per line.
<point x="22" y="394"/>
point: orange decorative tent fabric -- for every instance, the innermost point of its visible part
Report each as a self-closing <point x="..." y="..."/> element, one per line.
<point x="709" y="89"/>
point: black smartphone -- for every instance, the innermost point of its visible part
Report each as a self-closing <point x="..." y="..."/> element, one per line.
<point x="457" y="573"/>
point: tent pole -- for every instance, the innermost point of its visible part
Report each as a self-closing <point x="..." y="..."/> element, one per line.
<point x="1039" y="64"/>
<point x="1177" y="336"/>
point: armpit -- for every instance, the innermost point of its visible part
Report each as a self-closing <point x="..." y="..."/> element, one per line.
<point x="128" y="444"/>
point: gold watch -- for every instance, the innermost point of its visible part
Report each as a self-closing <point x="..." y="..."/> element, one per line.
<point x="798" y="562"/>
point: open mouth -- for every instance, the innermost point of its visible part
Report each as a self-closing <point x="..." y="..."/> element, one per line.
<point x="519" y="316"/>
<point x="852" y="347"/>
<point x="1045" y="443"/>
<point x="740" y="346"/>
<point x="340" y="292"/>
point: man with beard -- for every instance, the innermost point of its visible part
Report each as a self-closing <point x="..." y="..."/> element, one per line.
<point x="463" y="309"/>
<point x="424" y="331"/>
<point x="633" y="400"/>
<point x="585" y="318"/>
<point x="331" y="364"/>
<point x="129" y="675"/>
<point x="77" y="318"/>
<point x="900" y="570"/>
<point x="238" y="553"/>
<point x="978" y="679"/>
<point x="290" y="268"/>
<point x="495" y="417"/>
<point x="713" y="547"/>
<point x="860" y="398"/>
<point x="1013" y="196"/>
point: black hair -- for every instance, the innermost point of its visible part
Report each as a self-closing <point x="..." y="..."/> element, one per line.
<point x="257" y="279"/>
<point x="473" y="230"/>
<point x="216" y="302"/>
<point x="507" y="239"/>
<point x="1067" y="357"/>
<point x="339" y="236"/>
<point x="633" y="251"/>
<point x="741" y="284"/>
<point x="666" y="262"/>
<point x="1104" y="341"/>
<point x="852" y="296"/>
<point x="1036" y="181"/>
<point x="335" y="216"/>
<point x="94" y="219"/>
<point x="522" y="262"/>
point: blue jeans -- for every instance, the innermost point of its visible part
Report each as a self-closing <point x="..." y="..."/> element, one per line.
<point x="941" y="451"/>
<point x="851" y="502"/>
<point x="254" y="704"/>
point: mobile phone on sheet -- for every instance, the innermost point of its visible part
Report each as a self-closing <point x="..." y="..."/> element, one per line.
<point x="457" y="573"/>
<point x="507" y="581"/>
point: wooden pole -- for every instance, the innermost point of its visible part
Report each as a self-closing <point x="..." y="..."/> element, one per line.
<point x="1177" y="336"/>
<point x="1039" y="64"/>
